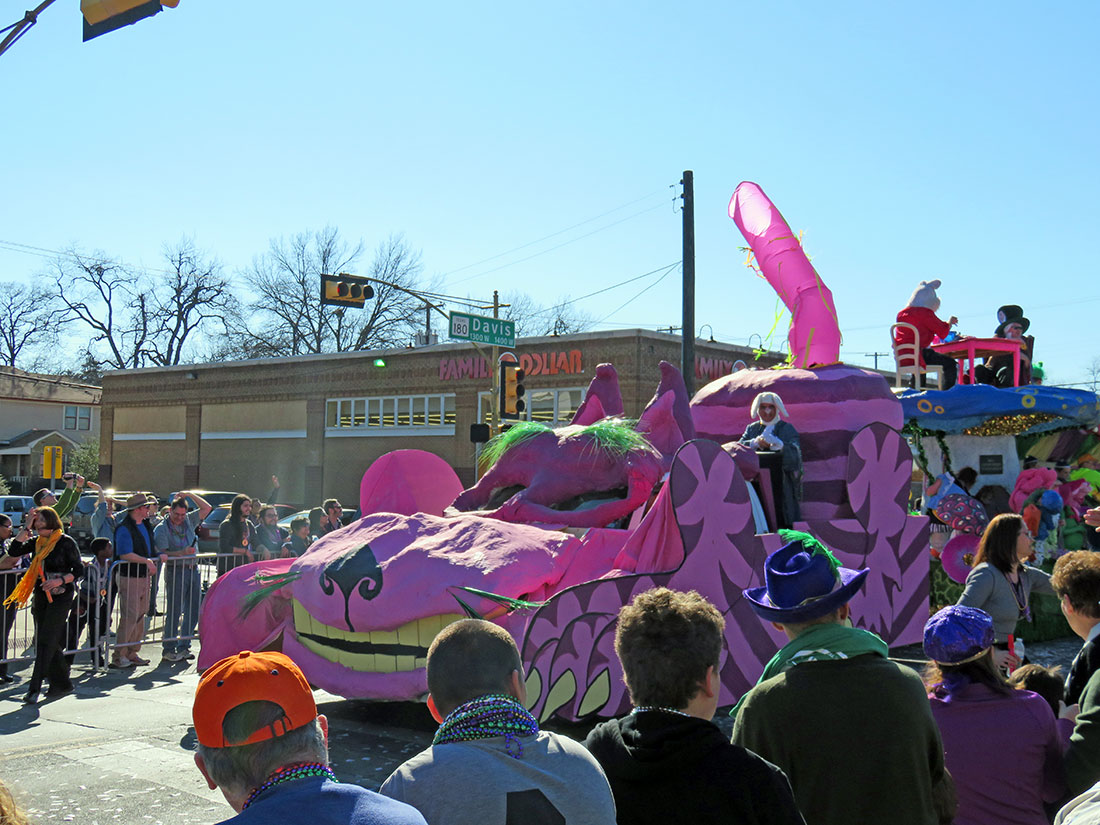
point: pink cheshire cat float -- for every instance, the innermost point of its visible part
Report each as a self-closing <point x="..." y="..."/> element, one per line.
<point x="358" y="611"/>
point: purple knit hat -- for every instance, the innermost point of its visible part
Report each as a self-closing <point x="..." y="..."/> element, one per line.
<point x="957" y="635"/>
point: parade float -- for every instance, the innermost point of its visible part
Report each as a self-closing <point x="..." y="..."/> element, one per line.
<point x="994" y="431"/>
<point x="566" y="525"/>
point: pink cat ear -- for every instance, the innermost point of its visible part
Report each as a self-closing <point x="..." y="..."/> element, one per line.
<point x="589" y="412"/>
<point x="660" y="426"/>
<point x="604" y="389"/>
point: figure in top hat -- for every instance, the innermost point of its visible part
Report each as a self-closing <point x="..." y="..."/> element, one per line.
<point x="997" y="369"/>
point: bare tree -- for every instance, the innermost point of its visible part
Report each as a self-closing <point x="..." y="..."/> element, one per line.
<point x="532" y="318"/>
<point x="112" y="301"/>
<point x="287" y="318"/>
<point x="1093" y="373"/>
<point x="29" y="318"/>
<point x="393" y="315"/>
<point x="195" y="298"/>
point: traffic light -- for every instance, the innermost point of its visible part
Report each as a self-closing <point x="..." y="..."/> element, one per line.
<point x="345" y="290"/>
<point x="102" y="16"/>
<point x="512" y="390"/>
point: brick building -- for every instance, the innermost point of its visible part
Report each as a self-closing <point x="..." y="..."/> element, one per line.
<point x="318" y="421"/>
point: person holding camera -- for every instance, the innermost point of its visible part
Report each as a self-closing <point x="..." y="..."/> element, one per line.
<point x="64" y="506"/>
<point x="51" y="579"/>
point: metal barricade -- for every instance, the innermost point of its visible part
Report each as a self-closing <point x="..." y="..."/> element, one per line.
<point x="182" y="589"/>
<point x="97" y="610"/>
<point x="16" y="625"/>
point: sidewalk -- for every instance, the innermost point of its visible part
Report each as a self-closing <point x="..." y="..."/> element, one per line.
<point x="120" y="747"/>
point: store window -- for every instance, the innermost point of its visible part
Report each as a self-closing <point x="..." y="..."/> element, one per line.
<point x="553" y="407"/>
<point x="78" y="418"/>
<point x="405" y="414"/>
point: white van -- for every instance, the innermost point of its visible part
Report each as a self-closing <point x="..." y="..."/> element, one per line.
<point x="16" y="508"/>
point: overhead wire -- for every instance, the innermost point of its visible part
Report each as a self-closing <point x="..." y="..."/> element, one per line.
<point x="640" y="294"/>
<point x="560" y="305"/>
<point x="559" y="246"/>
<point x="551" y="235"/>
<point x="52" y="254"/>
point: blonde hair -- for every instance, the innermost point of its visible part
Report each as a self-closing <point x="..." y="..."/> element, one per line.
<point x="768" y="398"/>
<point x="10" y="813"/>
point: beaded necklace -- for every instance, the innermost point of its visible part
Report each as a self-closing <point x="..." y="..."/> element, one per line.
<point x="661" y="710"/>
<point x="288" y="773"/>
<point x="488" y="716"/>
<point x="1019" y="595"/>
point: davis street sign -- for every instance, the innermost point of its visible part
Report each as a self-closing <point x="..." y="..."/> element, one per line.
<point x="483" y="330"/>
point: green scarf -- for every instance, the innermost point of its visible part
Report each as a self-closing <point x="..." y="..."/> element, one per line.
<point x="820" y="642"/>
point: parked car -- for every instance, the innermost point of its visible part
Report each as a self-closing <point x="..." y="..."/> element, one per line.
<point x="81" y="529"/>
<point x="284" y="522"/>
<point x="210" y="529"/>
<point x="16" y="508"/>
<point x="215" y="498"/>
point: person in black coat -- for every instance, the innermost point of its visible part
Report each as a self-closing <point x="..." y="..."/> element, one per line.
<point x="774" y="438"/>
<point x="1076" y="581"/>
<point x="55" y="568"/>
<point x="667" y="761"/>
<point x="237" y="538"/>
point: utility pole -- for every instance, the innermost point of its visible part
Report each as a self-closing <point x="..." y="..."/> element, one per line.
<point x="494" y="368"/>
<point x="876" y="356"/>
<point x="687" y="354"/>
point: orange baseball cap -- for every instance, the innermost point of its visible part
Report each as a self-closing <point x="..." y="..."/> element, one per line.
<point x="248" y="677"/>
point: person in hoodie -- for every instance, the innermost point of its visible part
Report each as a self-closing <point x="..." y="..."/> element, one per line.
<point x="667" y="761"/>
<point x="920" y="312"/>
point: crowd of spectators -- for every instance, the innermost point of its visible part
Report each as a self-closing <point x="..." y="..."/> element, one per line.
<point x="834" y="731"/>
<point x="134" y="543"/>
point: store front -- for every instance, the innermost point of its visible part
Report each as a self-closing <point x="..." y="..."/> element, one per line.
<point x="319" y="421"/>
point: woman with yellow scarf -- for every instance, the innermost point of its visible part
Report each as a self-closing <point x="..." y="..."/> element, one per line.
<point x="55" y="567"/>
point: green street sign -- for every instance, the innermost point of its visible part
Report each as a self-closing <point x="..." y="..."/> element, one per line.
<point x="494" y="331"/>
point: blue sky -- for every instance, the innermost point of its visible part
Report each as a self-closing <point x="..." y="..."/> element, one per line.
<point x="955" y="141"/>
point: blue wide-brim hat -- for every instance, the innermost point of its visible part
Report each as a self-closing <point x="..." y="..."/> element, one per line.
<point x="958" y="634"/>
<point x="802" y="581"/>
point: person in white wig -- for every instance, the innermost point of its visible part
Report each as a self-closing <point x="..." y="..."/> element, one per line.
<point x="769" y="433"/>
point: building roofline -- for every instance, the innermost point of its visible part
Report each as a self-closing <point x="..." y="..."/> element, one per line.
<point x="44" y="378"/>
<point x="457" y="346"/>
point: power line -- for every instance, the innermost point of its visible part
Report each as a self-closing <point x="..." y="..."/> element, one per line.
<point x="640" y="294"/>
<point x="52" y="254"/>
<point x="551" y="235"/>
<point x="1074" y="302"/>
<point x="563" y="304"/>
<point x="559" y="246"/>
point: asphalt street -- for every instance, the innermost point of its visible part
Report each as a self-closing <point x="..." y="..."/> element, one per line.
<point x="119" y="749"/>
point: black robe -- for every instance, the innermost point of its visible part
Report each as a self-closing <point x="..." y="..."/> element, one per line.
<point x="792" y="467"/>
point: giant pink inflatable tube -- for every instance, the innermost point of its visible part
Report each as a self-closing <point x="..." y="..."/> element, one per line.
<point x="815" y="331"/>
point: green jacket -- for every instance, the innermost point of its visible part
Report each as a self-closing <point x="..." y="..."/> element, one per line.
<point x="855" y="737"/>
<point x="66" y="502"/>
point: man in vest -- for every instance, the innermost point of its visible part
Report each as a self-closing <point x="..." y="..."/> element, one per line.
<point x="134" y="547"/>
